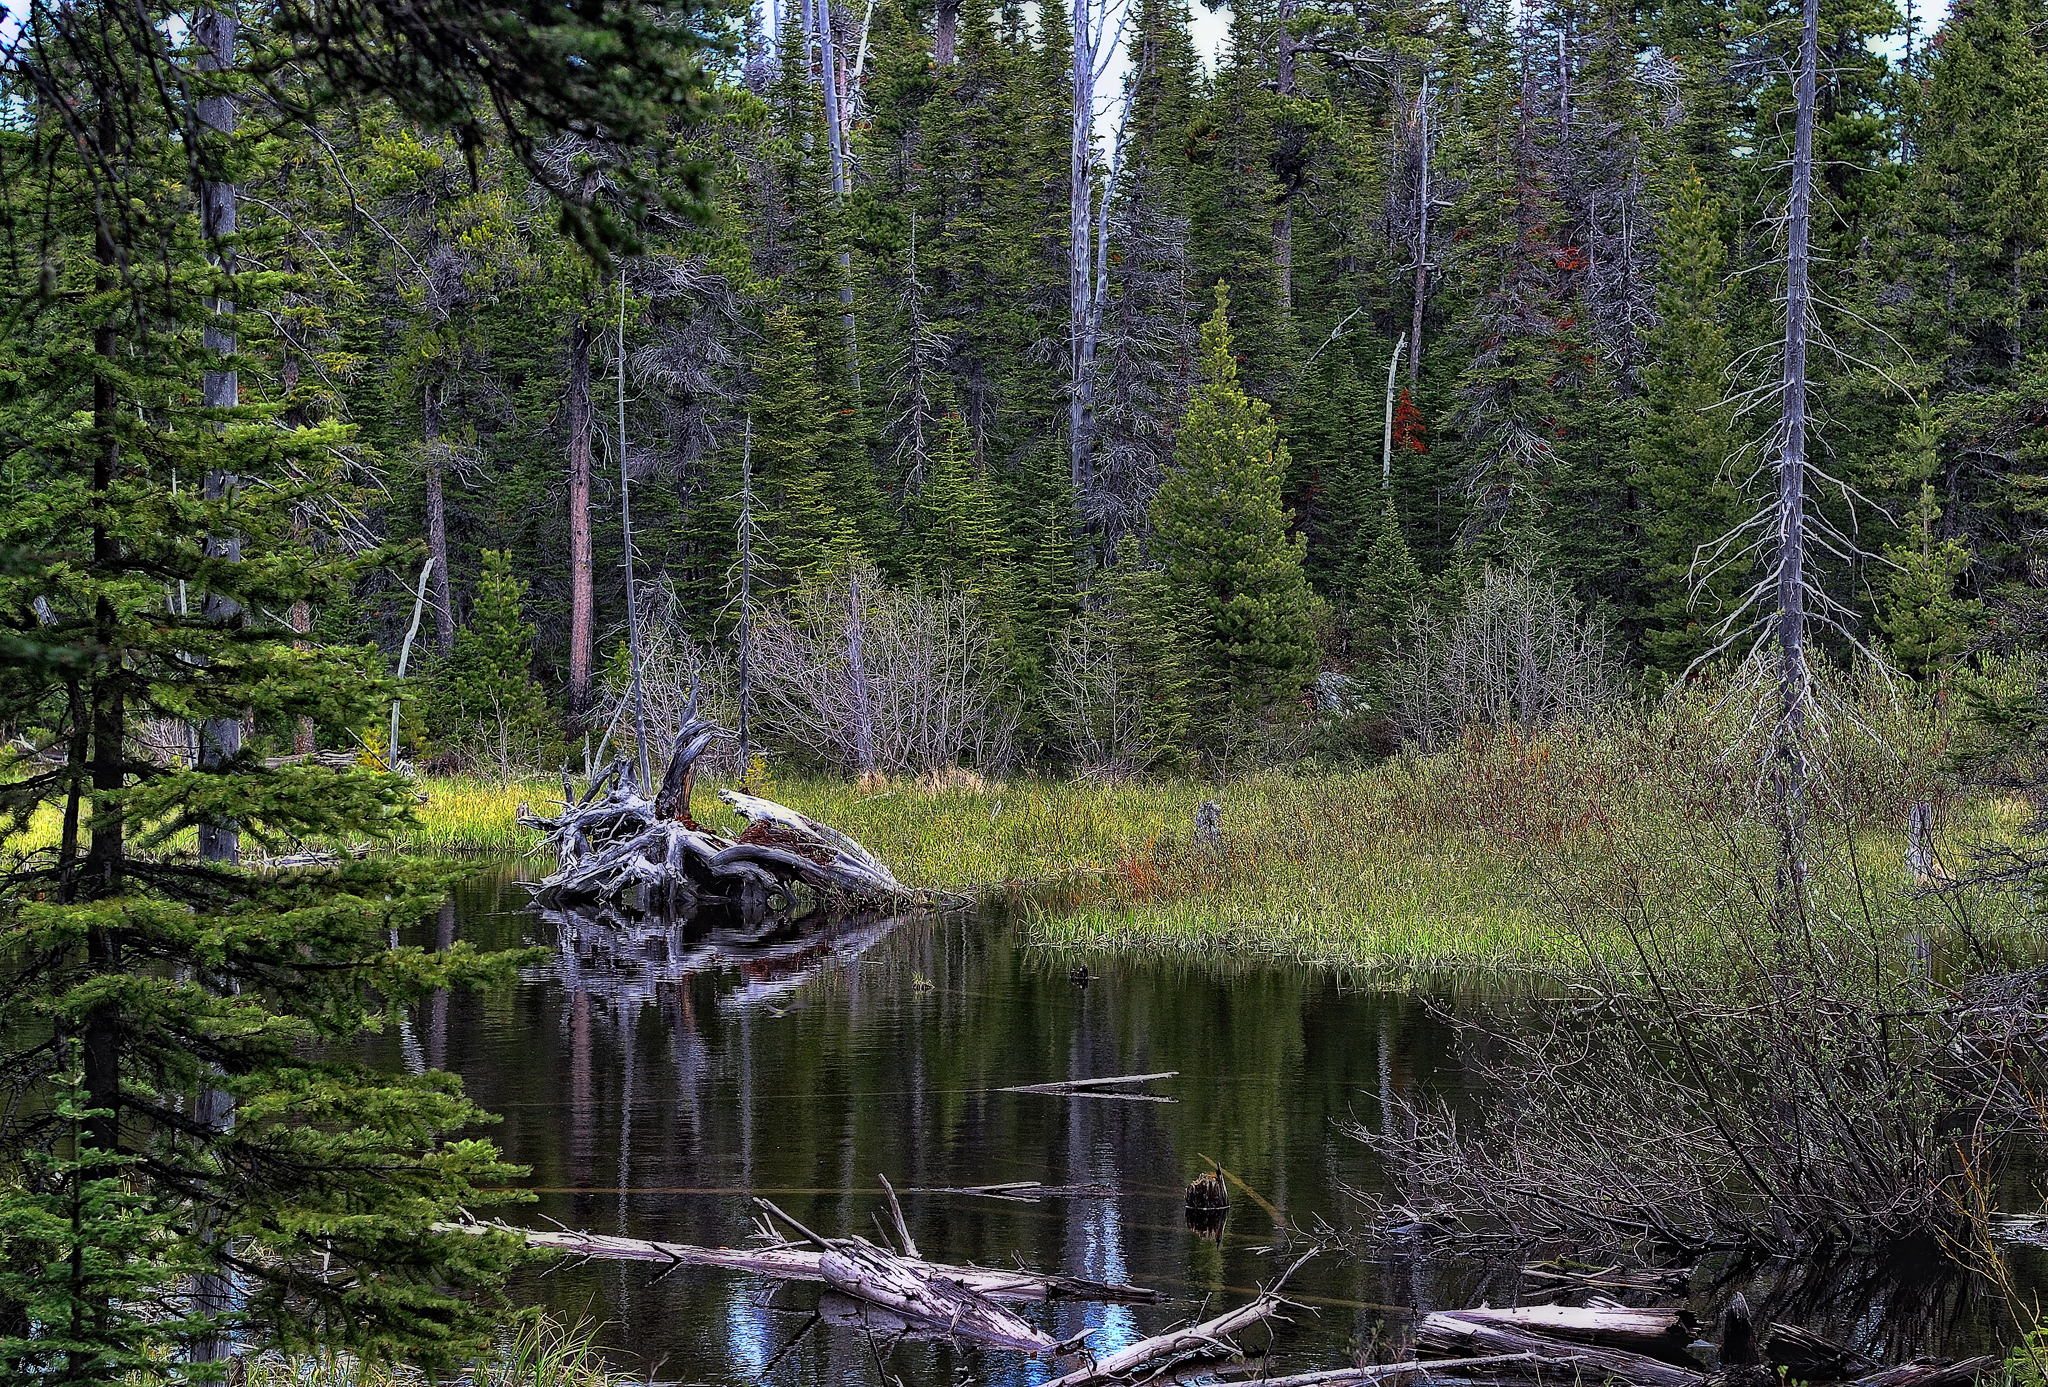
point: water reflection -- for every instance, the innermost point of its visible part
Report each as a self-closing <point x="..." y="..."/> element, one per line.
<point x="655" y="1074"/>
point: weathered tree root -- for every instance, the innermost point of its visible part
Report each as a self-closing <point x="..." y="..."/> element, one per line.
<point x="616" y="845"/>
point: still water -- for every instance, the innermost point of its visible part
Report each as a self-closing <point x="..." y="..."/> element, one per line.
<point x="654" y="1082"/>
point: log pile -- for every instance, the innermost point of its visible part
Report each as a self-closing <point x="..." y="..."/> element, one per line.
<point x="618" y="844"/>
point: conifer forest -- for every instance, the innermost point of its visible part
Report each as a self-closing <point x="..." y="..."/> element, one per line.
<point x="615" y="614"/>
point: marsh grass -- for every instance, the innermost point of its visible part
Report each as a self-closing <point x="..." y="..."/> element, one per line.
<point x="535" y="1352"/>
<point x="1470" y="858"/>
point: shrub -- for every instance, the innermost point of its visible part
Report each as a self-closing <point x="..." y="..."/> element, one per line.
<point x="881" y="679"/>
<point x="1521" y="653"/>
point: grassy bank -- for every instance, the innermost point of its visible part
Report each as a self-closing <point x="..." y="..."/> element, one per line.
<point x="1500" y="854"/>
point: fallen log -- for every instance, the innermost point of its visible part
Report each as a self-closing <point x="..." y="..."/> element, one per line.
<point x="1425" y="1368"/>
<point x="1658" y="1333"/>
<point x="858" y="1268"/>
<point x="1148" y="1355"/>
<point x="615" y="843"/>
<point x="794" y="1263"/>
<point x="1469" y="1334"/>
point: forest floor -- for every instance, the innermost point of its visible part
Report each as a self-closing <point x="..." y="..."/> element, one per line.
<point x="1549" y="856"/>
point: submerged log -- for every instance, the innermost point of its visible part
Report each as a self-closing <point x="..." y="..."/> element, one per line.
<point x="1427" y="1369"/>
<point x="911" y="1289"/>
<point x="1811" y="1358"/>
<point x="1469" y="1334"/>
<point x="617" y="844"/>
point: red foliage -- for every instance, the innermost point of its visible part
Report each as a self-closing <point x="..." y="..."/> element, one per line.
<point x="1408" y="425"/>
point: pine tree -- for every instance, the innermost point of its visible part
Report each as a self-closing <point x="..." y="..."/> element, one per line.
<point x="1220" y="533"/>
<point x="1684" y="437"/>
<point x="180" y="1034"/>
<point x="490" y="688"/>
<point x="1389" y="585"/>
<point x="800" y="495"/>
<point x="1926" y="622"/>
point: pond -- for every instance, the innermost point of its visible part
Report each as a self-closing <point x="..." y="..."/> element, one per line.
<point x="655" y="1083"/>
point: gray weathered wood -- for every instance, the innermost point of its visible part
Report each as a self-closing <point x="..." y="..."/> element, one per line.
<point x="1659" y="1333"/>
<point x="793" y="1263"/>
<point x="1143" y="1357"/>
<point x="1466" y="1334"/>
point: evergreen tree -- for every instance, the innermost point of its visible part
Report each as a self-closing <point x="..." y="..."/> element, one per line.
<point x="490" y="689"/>
<point x="1220" y="533"/>
<point x="1927" y="623"/>
<point x="800" y="498"/>
<point x="1389" y="585"/>
<point x="180" y="1034"/>
<point x="1683" y="436"/>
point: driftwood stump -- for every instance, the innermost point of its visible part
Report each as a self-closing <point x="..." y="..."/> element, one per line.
<point x="616" y="844"/>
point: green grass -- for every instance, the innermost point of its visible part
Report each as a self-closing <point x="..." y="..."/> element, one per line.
<point x="1547" y="854"/>
<point x="1502" y="855"/>
<point x="536" y="1352"/>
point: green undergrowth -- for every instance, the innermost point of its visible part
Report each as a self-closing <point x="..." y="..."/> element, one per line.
<point x="1547" y="857"/>
<point x="1583" y="846"/>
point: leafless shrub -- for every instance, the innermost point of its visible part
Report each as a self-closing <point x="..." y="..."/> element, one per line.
<point x="1789" y="1093"/>
<point x="674" y="666"/>
<point x="1092" y="696"/>
<point x="1521" y="653"/>
<point x="881" y="679"/>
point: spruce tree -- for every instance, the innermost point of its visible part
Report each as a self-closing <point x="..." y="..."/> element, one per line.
<point x="1220" y="533"/>
<point x="180" y="1034"/>
<point x="1926" y="621"/>
<point x="490" y="692"/>
<point x="1684" y="436"/>
<point x="799" y="498"/>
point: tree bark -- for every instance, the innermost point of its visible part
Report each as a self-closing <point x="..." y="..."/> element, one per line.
<point x="1283" y="225"/>
<point x="830" y="75"/>
<point x="437" y="521"/>
<point x="1788" y="770"/>
<point x="945" y="30"/>
<point x="1421" y="241"/>
<point x="582" y="605"/>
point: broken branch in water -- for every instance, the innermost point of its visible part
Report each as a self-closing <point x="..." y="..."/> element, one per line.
<point x="1091" y="1088"/>
<point x="1210" y="1336"/>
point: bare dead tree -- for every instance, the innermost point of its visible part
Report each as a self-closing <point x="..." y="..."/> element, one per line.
<point x="1098" y="27"/>
<point x="884" y="679"/>
<point x="220" y="738"/>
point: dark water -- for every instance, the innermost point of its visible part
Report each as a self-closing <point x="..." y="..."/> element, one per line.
<point x="653" y="1084"/>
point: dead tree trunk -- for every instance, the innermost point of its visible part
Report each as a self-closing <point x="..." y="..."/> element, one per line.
<point x="1421" y="238"/>
<point x="437" y="520"/>
<point x="1788" y="754"/>
<point x="616" y="843"/>
<point x="220" y="738"/>
<point x="582" y="603"/>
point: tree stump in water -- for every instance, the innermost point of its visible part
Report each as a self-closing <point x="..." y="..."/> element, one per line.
<point x="616" y="845"/>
